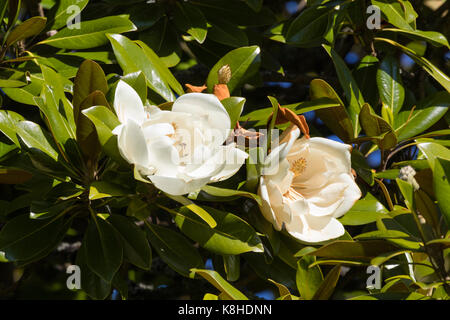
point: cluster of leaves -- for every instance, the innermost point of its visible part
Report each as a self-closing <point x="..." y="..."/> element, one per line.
<point x="64" y="179"/>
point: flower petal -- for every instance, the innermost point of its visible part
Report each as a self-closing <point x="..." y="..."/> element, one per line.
<point x="177" y="186"/>
<point x="128" y="104"/>
<point x="235" y="158"/>
<point x="315" y="229"/>
<point x="132" y="144"/>
<point x="207" y="107"/>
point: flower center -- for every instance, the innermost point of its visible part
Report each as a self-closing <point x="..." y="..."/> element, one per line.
<point x="298" y="166"/>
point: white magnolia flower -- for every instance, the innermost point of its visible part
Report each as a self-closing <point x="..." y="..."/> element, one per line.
<point x="309" y="188"/>
<point x="181" y="150"/>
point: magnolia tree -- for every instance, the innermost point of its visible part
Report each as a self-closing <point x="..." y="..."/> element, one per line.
<point x="224" y="149"/>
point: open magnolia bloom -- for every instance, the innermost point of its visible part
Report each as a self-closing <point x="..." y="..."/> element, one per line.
<point x="181" y="150"/>
<point x="310" y="186"/>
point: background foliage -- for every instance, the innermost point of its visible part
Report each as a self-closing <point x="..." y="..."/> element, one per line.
<point x="67" y="197"/>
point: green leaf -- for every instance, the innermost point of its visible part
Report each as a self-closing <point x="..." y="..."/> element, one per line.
<point x="220" y="192"/>
<point x="105" y="121"/>
<point x="103" y="189"/>
<point x="394" y="13"/>
<point x="34" y="138"/>
<point x="441" y="184"/>
<point x="136" y="248"/>
<point x="243" y="62"/>
<point x="104" y="250"/>
<point x="234" y="107"/>
<point x="231" y="264"/>
<point x="90" y="77"/>
<point x="174" y="249"/>
<point x="91" y="283"/>
<point x="227" y="33"/>
<point x="133" y="58"/>
<point x="8" y="121"/>
<point x="87" y="136"/>
<point x="435" y="38"/>
<point x="90" y="34"/>
<point x="26" y="29"/>
<point x="335" y="118"/>
<point x="361" y="167"/>
<point x="427" y="113"/>
<point x="63" y="10"/>
<point x="22" y="238"/>
<point x="220" y="283"/>
<point x="360" y="250"/>
<point x="364" y="211"/>
<point x="232" y="235"/>
<point x="199" y="211"/>
<point x="377" y="128"/>
<point x="390" y="84"/>
<point x="365" y="76"/>
<point x="59" y="126"/>
<point x="308" y="279"/>
<point x="310" y="26"/>
<point x="352" y="93"/>
<point x="138" y="82"/>
<point x="429" y="67"/>
<point x="191" y="20"/>
<point x="326" y="289"/>
<point x="426" y="207"/>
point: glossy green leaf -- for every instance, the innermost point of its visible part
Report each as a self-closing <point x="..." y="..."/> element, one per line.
<point x="62" y="11"/>
<point x="232" y="235"/>
<point x="390" y="84"/>
<point x="174" y="249"/>
<point x="33" y="137"/>
<point x="90" y="34"/>
<point x="394" y="13"/>
<point x="191" y="20"/>
<point x="22" y="238"/>
<point x="435" y="38"/>
<point x="220" y="283"/>
<point x="427" y="113"/>
<point x="26" y="29"/>
<point x="352" y="93"/>
<point x="441" y="184"/>
<point x="326" y="289"/>
<point x="8" y="121"/>
<point x="361" y="250"/>
<point x="335" y="118"/>
<point x="375" y="126"/>
<point x="429" y="67"/>
<point x="243" y="63"/>
<point x="104" y="250"/>
<point x="132" y="59"/>
<point x="103" y="189"/>
<point x="136" y="248"/>
<point x="308" y="279"/>
<point x="91" y="283"/>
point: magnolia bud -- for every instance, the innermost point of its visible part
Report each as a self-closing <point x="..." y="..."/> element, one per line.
<point x="224" y="74"/>
<point x="407" y="174"/>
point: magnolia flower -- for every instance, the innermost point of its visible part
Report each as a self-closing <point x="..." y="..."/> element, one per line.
<point x="181" y="150"/>
<point x="306" y="185"/>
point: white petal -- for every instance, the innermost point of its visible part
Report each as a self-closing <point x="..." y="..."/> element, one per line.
<point x="164" y="157"/>
<point x="351" y="194"/>
<point x="207" y="107"/>
<point x="234" y="160"/>
<point x="315" y="229"/>
<point x="279" y="153"/>
<point x="128" y="104"/>
<point x="157" y="130"/>
<point x="266" y="208"/>
<point x="177" y="186"/>
<point x="132" y="144"/>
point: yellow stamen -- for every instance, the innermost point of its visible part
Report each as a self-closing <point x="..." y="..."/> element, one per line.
<point x="298" y="166"/>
